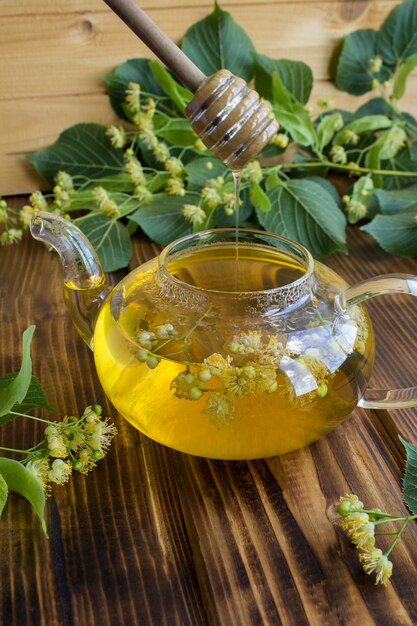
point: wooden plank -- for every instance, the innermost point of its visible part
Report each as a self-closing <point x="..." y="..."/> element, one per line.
<point x="32" y="7"/>
<point x="155" y="537"/>
<point x="71" y="53"/>
<point x="34" y="124"/>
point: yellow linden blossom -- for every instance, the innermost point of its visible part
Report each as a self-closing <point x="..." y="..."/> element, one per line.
<point x="25" y="214"/>
<point x="217" y="363"/>
<point x="60" y="472"/>
<point x="55" y="442"/>
<point x="375" y="561"/>
<point x="38" y="201"/>
<point x="175" y="186"/>
<point x="272" y="352"/>
<point x="357" y="315"/>
<point x="246" y="343"/>
<point x="39" y="469"/>
<point x="174" y="166"/>
<point x="219" y="408"/>
<point x="193" y="213"/>
<point x="132" y="97"/>
<point x="117" y="136"/>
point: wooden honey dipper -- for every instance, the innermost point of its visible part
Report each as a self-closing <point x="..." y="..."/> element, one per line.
<point x="225" y="113"/>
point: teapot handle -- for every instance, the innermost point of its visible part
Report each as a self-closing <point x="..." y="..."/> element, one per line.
<point x="378" y="286"/>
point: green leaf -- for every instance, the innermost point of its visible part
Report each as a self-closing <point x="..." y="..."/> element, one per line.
<point x="328" y="186"/>
<point x="401" y="76"/>
<point x="392" y="202"/>
<point x="397" y="234"/>
<point x="17" y="388"/>
<point x="4" y="493"/>
<point x="410" y="476"/>
<point x="296" y="77"/>
<point x="259" y="198"/>
<point x="109" y="238"/>
<point x="179" y="95"/>
<point x="404" y="161"/>
<point x="81" y="150"/>
<point x="135" y="71"/>
<point x="217" y="42"/>
<point x="291" y="114"/>
<point x="35" y="397"/>
<point x="304" y="211"/>
<point x="326" y="129"/>
<point x="397" y="39"/>
<point x="374" y="106"/>
<point x="162" y="219"/>
<point x="353" y="74"/>
<point x="201" y="170"/>
<point x="19" y="479"/>
<point x="176" y="131"/>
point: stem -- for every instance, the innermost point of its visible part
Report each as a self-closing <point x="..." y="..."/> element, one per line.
<point x="31" y="417"/>
<point x="347" y="168"/>
<point x="399" y="535"/>
<point x="14" y="450"/>
<point x="390" y="519"/>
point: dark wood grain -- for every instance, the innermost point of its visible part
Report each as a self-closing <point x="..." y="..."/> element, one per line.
<point x="153" y="537"/>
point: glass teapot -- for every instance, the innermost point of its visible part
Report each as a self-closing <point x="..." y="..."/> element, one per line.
<point x="229" y="345"/>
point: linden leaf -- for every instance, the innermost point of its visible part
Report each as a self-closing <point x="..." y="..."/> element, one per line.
<point x="162" y="219"/>
<point x="109" y="238"/>
<point x="218" y="42"/>
<point x="17" y="389"/>
<point x="354" y="73"/>
<point x="392" y="202"/>
<point x="306" y="212"/>
<point x="81" y="150"/>
<point x="397" y="38"/>
<point x="291" y="114"/>
<point x="19" y="479"/>
<point x="4" y="493"/>
<point x="296" y="76"/>
<point x="35" y="397"/>
<point x="396" y="233"/>
<point x="410" y="476"/>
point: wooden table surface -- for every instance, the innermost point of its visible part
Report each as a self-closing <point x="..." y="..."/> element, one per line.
<point x="154" y="537"/>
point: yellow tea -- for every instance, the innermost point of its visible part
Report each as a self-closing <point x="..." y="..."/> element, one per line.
<point x="217" y="357"/>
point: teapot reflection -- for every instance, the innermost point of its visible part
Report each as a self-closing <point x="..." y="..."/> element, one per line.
<point x="226" y="348"/>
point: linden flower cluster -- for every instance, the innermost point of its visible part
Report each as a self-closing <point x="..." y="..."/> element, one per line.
<point x="73" y="444"/>
<point x="250" y="368"/>
<point x="15" y="221"/>
<point x="361" y="526"/>
<point x="59" y="201"/>
<point x="12" y="230"/>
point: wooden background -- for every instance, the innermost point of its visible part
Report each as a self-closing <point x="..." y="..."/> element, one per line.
<point x="153" y="537"/>
<point x="54" y="55"/>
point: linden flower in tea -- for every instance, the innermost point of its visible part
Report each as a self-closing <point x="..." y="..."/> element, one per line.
<point x="249" y="367"/>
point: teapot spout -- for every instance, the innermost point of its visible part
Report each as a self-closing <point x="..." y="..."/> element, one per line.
<point x="85" y="285"/>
